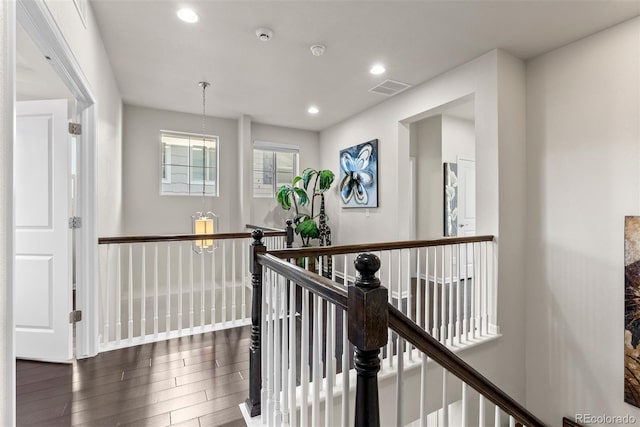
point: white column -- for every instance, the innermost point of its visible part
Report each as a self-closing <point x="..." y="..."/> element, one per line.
<point x="7" y="95"/>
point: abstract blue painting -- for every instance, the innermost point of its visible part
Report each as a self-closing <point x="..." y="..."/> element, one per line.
<point x="359" y="175"/>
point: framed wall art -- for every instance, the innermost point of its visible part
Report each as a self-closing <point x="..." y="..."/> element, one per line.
<point x="450" y="199"/>
<point x="359" y="175"/>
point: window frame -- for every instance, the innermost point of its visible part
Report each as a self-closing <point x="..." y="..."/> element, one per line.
<point x="192" y="137"/>
<point x="273" y="147"/>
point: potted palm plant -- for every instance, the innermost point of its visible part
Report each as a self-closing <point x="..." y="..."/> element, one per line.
<point x="293" y="195"/>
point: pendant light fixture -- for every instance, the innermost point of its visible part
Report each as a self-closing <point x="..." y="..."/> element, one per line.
<point x="204" y="222"/>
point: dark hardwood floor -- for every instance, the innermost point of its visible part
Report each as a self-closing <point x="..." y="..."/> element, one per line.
<point x="195" y="381"/>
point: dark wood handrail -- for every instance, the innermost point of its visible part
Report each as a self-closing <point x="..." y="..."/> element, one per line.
<point x="319" y="285"/>
<point x="184" y="237"/>
<point x="374" y="247"/>
<point x="568" y="422"/>
<point x="261" y="227"/>
<point x="424" y="342"/>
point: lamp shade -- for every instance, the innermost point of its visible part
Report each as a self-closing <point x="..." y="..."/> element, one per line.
<point x="203" y="225"/>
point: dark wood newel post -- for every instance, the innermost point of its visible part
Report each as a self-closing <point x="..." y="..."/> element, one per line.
<point x="368" y="323"/>
<point x="255" y="364"/>
<point x="290" y="234"/>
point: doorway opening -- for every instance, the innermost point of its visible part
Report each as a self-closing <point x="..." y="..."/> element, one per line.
<point x="442" y="148"/>
<point x="46" y="69"/>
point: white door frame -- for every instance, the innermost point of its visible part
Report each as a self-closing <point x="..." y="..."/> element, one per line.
<point x="36" y="19"/>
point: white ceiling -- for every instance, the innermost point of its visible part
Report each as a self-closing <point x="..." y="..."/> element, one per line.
<point x="158" y="59"/>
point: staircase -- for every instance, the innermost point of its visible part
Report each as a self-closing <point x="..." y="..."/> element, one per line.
<point x="326" y="354"/>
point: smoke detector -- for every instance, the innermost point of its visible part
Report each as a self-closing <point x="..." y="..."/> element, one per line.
<point x="264" y="34"/>
<point x="318" y="49"/>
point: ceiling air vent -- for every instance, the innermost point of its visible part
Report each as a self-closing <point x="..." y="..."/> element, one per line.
<point x="389" y="88"/>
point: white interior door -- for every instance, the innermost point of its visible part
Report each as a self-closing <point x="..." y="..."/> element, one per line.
<point x="467" y="208"/>
<point x="466" y="197"/>
<point x="43" y="297"/>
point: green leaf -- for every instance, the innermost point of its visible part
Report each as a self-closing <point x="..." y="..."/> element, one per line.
<point x="300" y="217"/>
<point x="326" y="179"/>
<point x="296" y="180"/>
<point x="283" y="197"/>
<point x="307" y="174"/>
<point x="302" y="195"/>
<point x="308" y="229"/>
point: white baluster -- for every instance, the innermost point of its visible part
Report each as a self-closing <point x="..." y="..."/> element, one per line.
<point x="202" y="294"/>
<point x="167" y="301"/>
<point x="118" y="300"/>
<point x="243" y="280"/>
<point x="107" y="299"/>
<point x="317" y="370"/>
<point x="443" y="300"/>
<point x="496" y="416"/>
<point x="143" y="274"/>
<point x="424" y="409"/>
<point x="512" y="422"/>
<point x="418" y="311"/>
<point x="304" y="360"/>
<point x="465" y="318"/>
<point x="292" y="354"/>
<point x="481" y="420"/>
<point x="409" y="300"/>
<point x="450" y="324"/>
<point x="224" y="281"/>
<point x="445" y="404"/>
<point x="180" y="289"/>
<point x="401" y="342"/>
<point x="155" y="293"/>
<point x="282" y="294"/>
<point x="277" y="347"/>
<point x="270" y="349"/>
<point x="345" y="369"/>
<point x="474" y="283"/>
<point x="427" y="292"/>
<point x="130" y="295"/>
<point x="191" y="290"/>
<point x="213" y="287"/>
<point x="329" y="365"/>
<point x="436" y="302"/>
<point x="465" y="409"/>
<point x="233" y="280"/>
<point x="390" y="297"/>
<point x="264" y="414"/>
<point x="400" y="383"/>
<point x="458" y="332"/>
<point x="485" y="266"/>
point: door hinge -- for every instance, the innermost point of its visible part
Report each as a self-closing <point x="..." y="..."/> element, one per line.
<point x="75" y="128"/>
<point x="75" y="316"/>
<point x="75" y="222"/>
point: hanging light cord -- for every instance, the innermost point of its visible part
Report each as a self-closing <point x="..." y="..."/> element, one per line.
<point x="204" y="86"/>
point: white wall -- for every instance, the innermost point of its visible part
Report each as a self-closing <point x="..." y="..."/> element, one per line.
<point x="86" y="44"/>
<point x="145" y="210"/>
<point x="266" y="211"/>
<point x="435" y="140"/>
<point x="583" y="143"/>
<point x="496" y="80"/>
<point x="429" y="179"/>
<point x="458" y="139"/>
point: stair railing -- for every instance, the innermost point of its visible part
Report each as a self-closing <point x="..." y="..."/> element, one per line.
<point x="154" y="288"/>
<point x="308" y="332"/>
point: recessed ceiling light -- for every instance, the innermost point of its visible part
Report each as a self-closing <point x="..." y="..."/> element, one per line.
<point x="188" y="15"/>
<point x="313" y="110"/>
<point x="377" y="69"/>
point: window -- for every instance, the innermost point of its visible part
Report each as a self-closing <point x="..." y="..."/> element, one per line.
<point x="274" y="165"/>
<point x="189" y="164"/>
